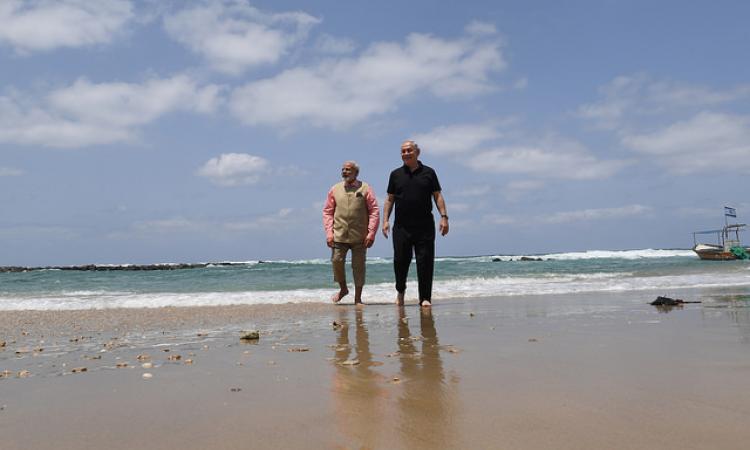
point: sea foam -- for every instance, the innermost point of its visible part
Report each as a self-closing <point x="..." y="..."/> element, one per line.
<point x="496" y="286"/>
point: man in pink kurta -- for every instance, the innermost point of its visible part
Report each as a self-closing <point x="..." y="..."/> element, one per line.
<point x="350" y="218"/>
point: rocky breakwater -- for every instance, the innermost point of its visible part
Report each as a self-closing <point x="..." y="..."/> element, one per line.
<point x="111" y="267"/>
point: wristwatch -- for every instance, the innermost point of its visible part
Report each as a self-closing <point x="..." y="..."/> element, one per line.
<point x="444" y="216"/>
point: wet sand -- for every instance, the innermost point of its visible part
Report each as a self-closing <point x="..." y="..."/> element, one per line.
<point x="562" y="372"/>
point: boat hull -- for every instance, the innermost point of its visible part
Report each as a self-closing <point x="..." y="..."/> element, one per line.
<point x="715" y="256"/>
<point x="714" y="253"/>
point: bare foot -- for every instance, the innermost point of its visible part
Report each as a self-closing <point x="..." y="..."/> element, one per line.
<point x="425" y="304"/>
<point x="400" y="299"/>
<point x="335" y="298"/>
<point x="359" y="304"/>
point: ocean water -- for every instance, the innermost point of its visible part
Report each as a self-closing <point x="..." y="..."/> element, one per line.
<point x="667" y="272"/>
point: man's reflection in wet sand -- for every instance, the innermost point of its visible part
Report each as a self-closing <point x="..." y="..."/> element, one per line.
<point x="359" y="391"/>
<point x="425" y="406"/>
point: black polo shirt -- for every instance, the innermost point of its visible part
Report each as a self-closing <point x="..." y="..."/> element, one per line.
<point x="412" y="193"/>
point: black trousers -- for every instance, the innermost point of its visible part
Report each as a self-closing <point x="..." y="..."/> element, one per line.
<point x="414" y="241"/>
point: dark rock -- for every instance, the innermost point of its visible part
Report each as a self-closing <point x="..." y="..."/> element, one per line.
<point x="250" y="335"/>
<point x="667" y="301"/>
<point x="94" y="267"/>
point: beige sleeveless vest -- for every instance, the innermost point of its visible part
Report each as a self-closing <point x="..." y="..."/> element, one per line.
<point x="350" y="218"/>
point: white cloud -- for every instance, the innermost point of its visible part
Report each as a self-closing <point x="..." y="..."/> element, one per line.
<point x="499" y="219"/>
<point x="479" y="28"/>
<point x="34" y="125"/>
<point x="550" y="158"/>
<point x="676" y="125"/>
<point x="454" y="139"/>
<point x="460" y="207"/>
<point x="281" y="218"/>
<point x="38" y="25"/>
<point x="474" y="191"/>
<point x="627" y="97"/>
<point x="10" y="172"/>
<point x="332" y="45"/>
<point x="36" y="232"/>
<point x="516" y="189"/>
<point x="87" y="113"/>
<point x="619" y="96"/>
<point x="705" y="143"/>
<point x="524" y="185"/>
<point x="127" y="104"/>
<point x="585" y="215"/>
<point x="233" y="36"/>
<point x="699" y="211"/>
<point x="234" y="169"/>
<point x="521" y="84"/>
<point x="340" y="93"/>
<point x="596" y="214"/>
<point x="171" y="225"/>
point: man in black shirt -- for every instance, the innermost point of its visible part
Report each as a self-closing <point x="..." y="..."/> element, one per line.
<point x="412" y="187"/>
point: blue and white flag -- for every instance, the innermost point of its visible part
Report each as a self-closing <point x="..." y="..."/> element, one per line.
<point x="730" y="212"/>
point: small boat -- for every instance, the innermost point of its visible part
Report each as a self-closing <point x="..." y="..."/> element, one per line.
<point x="728" y="246"/>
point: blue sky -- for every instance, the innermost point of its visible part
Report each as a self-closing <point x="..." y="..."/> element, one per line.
<point x="145" y="131"/>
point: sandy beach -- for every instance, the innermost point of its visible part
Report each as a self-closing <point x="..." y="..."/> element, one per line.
<point x="564" y="372"/>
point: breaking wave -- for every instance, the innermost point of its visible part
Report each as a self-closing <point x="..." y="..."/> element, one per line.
<point x="498" y="286"/>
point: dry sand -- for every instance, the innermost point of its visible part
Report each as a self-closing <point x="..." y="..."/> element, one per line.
<point x="550" y="372"/>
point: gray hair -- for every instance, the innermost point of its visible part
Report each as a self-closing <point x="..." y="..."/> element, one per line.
<point x="353" y="164"/>
<point x="413" y="145"/>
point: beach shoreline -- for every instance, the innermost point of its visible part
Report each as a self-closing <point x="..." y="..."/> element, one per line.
<point x="573" y="371"/>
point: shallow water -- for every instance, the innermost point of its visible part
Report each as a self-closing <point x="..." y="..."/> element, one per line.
<point x="310" y="281"/>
